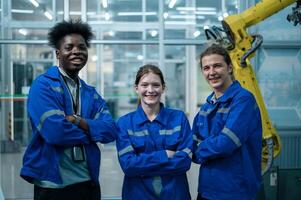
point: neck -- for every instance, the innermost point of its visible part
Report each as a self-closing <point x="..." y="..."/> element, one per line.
<point x="151" y="111"/>
<point x="219" y="92"/>
<point x="72" y="75"/>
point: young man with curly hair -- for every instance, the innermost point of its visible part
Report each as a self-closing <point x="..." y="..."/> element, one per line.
<point x="68" y="117"/>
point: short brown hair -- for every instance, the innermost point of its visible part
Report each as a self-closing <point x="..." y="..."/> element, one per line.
<point x="216" y="49"/>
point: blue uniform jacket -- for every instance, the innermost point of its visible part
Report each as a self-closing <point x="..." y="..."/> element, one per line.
<point x="48" y="103"/>
<point x="227" y="144"/>
<point x="141" y="145"/>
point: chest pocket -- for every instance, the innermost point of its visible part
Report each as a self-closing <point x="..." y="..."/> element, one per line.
<point x="138" y="140"/>
<point x="59" y="93"/>
<point x="221" y="118"/>
<point x="172" y="137"/>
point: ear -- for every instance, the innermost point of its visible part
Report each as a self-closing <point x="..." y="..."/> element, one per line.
<point x="136" y="88"/>
<point x="57" y="53"/>
<point x="230" y="68"/>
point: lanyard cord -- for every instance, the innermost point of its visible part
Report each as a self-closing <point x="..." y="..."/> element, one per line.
<point x="76" y="101"/>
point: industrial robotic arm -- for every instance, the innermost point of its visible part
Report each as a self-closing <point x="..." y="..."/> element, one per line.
<point x="242" y="47"/>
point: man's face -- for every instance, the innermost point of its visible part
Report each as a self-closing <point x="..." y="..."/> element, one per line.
<point x="216" y="72"/>
<point x="72" y="53"/>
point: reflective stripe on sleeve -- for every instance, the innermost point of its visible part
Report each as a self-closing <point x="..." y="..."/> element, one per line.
<point x="57" y="89"/>
<point x="125" y="150"/>
<point x="204" y="113"/>
<point x="104" y="111"/>
<point x="170" y="131"/>
<point x="188" y="151"/>
<point x="138" y="133"/>
<point x="232" y="136"/>
<point x="223" y="110"/>
<point x="48" y="114"/>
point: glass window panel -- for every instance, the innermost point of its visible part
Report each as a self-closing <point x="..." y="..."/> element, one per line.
<point x="152" y="52"/>
<point x="32" y="52"/>
<point x="23" y="10"/>
<point x="75" y="9"/>
<point x="175" y="92"/>
<point x="281" y="85"/>
<point x="29" y="34"/>
<point x="0" y="18"/>
<point x="152" y="8"/>
<point x="194" y="16"/>
<point x="231" y="7"/>
<point x="152" y="34"/>
<point x="59" y="10"/>
<point x="122" y="35"/>
<point x="203" y="88"/>
<point x="126" y="10"/>
<point x="127" y="52"/>
<point x="175" y="52"/>
<point x="119" y="78"/>
<point x="282" y="29"/>
<point x="97" y="12"/>
<point x="174" y="33"/>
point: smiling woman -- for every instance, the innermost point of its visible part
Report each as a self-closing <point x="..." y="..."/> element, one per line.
<point x="154" y="143"/>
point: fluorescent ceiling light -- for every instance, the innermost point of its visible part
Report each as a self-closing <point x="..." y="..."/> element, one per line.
<point x="154" y="33"/>
<point x="48" y="15"/>
<point x="111" y="33"/>
<point x="22" y="11"/>
<point x="23" y="31"/>
<point x="225" y="15"/>
<point x="196" y="33"/>
<point x="205" y="12"/>
<point x="135" y="13"/>
<point x="172" y="3"/>
<point x="107" y="16"/>
<point x="165" y="15"/>
<point x="140" y="57"/>
<point x="196" y="9"/>
<point x="35" y="3"/>
<point x="180" y="22"/>
<point x="94" y="58"/>
<point x="186" y="17"/>
<point x="105" y="3"/>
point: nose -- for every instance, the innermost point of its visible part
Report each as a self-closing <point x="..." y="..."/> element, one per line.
<point x="76" y="50"/>
<point x="211" y="70"/>
<point x="150" y="88"/>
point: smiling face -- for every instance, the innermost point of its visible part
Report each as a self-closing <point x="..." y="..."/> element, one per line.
<point x="217" y="73"/>
<point x="72" y="54"/>
<point x="150" y="89"/>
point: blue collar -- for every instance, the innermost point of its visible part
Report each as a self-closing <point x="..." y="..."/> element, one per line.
<point x="231" y="91"/>
<point x="54" y="73"/>
<point x="141" y="117"/>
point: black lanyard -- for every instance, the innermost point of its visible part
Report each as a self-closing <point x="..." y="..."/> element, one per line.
<point x="76" y="101"/>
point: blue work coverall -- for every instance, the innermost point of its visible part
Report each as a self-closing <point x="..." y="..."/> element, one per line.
<point x="48" y="104"/>
<point x="141" y="145"/>
<point x="227" y="144"/>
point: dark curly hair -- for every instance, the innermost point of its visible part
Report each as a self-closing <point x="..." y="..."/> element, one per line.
<point x="61" y="29"/>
